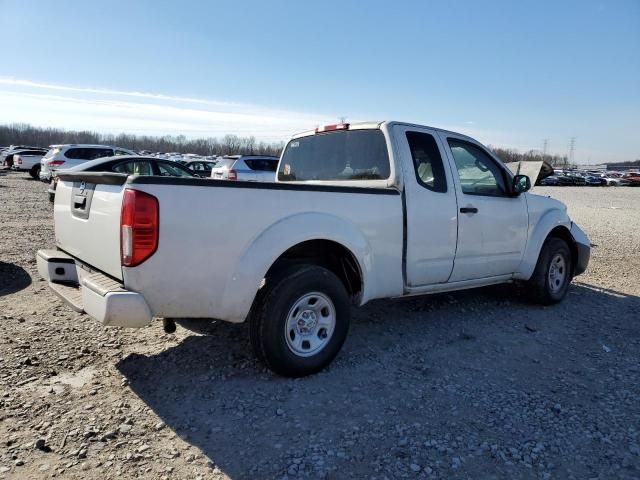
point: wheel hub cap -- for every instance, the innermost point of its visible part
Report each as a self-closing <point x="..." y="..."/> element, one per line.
<point x="307" y="322"/>
<point x="557" y="273"/>
<point x="310" y="324"/>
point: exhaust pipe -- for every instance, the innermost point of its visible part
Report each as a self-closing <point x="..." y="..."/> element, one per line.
<point x="169" y="325"/>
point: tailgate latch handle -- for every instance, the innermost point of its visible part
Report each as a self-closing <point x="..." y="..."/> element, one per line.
<point x="79" y="201"/>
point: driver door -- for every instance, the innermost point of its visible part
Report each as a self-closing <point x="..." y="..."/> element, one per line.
<point x="492" y="224"/>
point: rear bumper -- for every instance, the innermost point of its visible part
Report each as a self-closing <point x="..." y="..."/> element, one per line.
<point x="583" y="247"/>
<point x="94" y="293"/>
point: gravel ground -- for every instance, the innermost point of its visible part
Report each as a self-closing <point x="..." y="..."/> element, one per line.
<point x="478" y="384"/>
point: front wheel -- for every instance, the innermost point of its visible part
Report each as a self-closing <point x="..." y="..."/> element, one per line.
<point x="553" y="273"/>
<point x="300" y="320"/>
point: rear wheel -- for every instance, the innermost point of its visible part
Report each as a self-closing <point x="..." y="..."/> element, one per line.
<point x="300" y="320"/>
<point x="553" y="273"/>
<point x="35" y="172"/>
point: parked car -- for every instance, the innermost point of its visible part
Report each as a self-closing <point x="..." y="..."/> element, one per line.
<point x="201" y="168"/>
<point x="130" y="165"/>
<point x="8" y="155"/>
<point x="633" y="179"/>
<point x="344" y="223"/>
<point x="67" y="156"/>
<point x="594" y="181"/>
<point x="551" y="180"/>
<point x="578" y="180"/>
<point x="250" y="168"/>
<point x="28" y="161"/>
<point x="565" y="180"/>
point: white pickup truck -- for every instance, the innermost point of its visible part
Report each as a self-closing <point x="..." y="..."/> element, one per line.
<point x="357" y="212"/>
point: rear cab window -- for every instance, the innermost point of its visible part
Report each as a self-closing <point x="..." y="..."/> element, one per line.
<point x="345" y="155"/>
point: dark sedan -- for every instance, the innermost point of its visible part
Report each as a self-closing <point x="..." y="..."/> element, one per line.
<point x="129" y="165"/>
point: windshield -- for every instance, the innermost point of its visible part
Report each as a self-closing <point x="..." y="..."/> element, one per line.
<point x="343" y="155"/>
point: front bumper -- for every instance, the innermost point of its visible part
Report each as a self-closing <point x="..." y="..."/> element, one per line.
<point x="583" y="247"/>
<point x="92" y="292"/>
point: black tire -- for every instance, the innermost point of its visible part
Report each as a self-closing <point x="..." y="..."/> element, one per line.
<point x="273" y="304"/>
<point x="52" y="197"/>
<point x="35" y="172"/>
<point x="544" y="288"/>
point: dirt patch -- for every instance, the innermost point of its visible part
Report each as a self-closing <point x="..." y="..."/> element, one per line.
<point x="478" y="384"/>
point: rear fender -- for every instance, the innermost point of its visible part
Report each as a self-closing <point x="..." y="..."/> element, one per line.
<point x="263" y="252"/>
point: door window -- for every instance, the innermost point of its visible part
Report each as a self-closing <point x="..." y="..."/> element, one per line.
<point x="262" y="164"/>
<point x="134" y="168"/>
<point x="427" y="161"/>
<point x="88" y="153"/>
<point x="478" y="172"/>
<point x="168" y="170"/>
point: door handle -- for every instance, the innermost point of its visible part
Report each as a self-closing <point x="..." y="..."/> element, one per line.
<point x="468" y="210"/>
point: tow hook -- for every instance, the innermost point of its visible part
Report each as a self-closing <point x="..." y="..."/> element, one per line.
<point x="169" y="325"/>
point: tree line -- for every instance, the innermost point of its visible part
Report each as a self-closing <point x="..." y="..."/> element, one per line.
<point x="24" y="134"/>
<point x="508" y="155"/>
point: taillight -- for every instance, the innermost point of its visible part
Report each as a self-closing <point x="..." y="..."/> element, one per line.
<point x="233" y="175"/>
<point x="139" y="227"/>
<point x="19" y="161"/>
<point x="55" y="163"/>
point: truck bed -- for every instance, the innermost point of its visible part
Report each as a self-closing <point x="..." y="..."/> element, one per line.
<point x="217" y="239"/>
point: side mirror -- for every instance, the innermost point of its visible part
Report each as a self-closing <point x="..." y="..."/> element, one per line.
<point x="521" y="184"/>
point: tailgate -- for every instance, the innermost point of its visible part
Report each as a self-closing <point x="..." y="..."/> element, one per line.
<point x="87" y="218"/>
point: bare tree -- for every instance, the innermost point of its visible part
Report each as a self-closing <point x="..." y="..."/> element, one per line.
<point x="24" y="134"/>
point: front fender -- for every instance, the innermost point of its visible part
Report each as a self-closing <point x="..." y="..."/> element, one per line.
<point x="267" y="247"/>
<point x="549" y="220"/>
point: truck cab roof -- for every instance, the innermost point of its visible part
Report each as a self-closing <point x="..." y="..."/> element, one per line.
<point x="371" y="125"/>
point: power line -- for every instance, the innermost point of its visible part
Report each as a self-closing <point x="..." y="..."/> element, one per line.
<point x="572" y="147"/>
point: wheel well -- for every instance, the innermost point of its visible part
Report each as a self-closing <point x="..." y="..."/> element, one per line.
<point x="564" y="234"/>
<point x="328" y="254"/>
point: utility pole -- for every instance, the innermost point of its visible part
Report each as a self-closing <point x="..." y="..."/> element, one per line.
<point x="545" y="147"/>
<point x="572" y="147"/>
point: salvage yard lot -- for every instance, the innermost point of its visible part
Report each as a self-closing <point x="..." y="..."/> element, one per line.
<point x="467" y="385"/>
